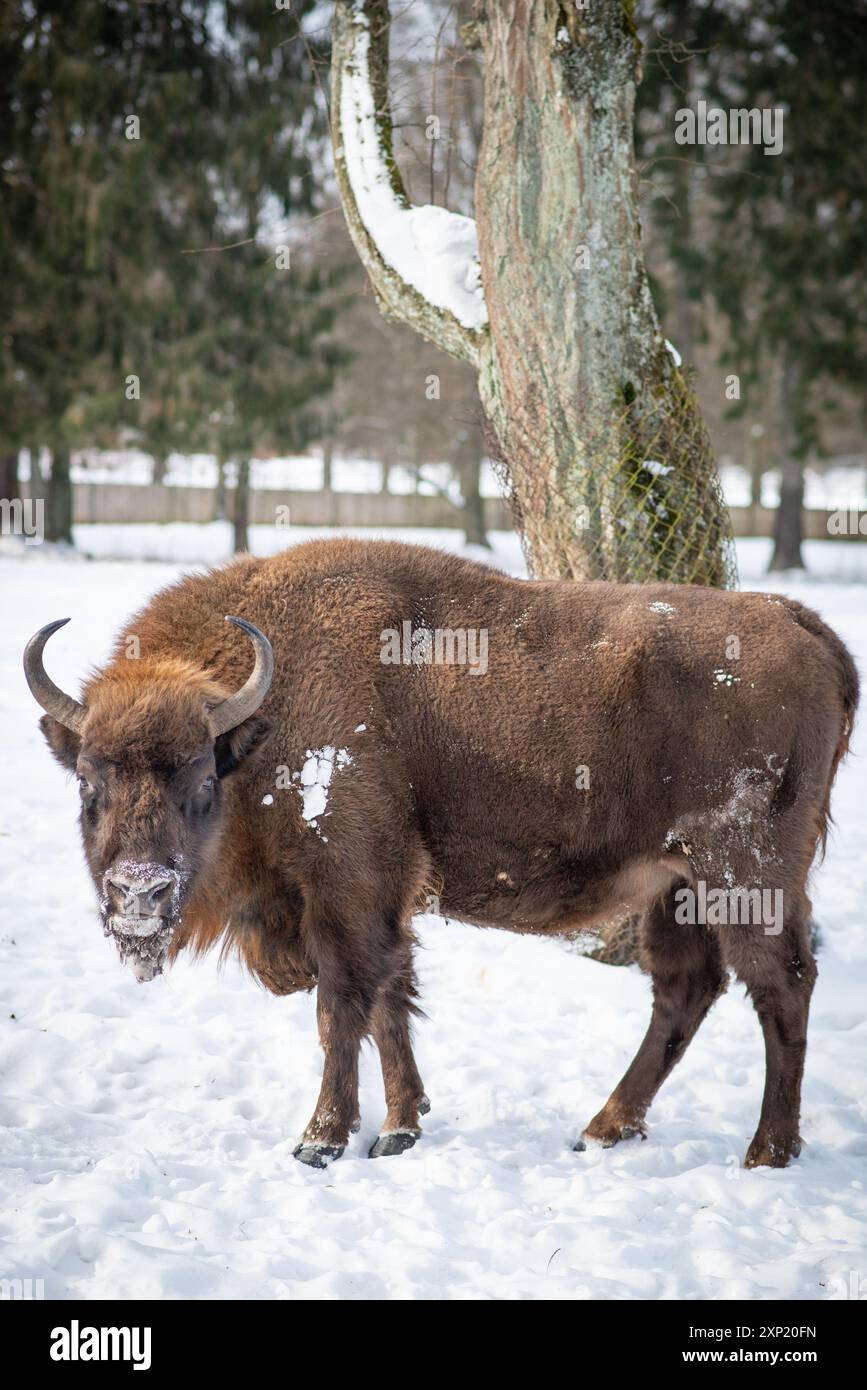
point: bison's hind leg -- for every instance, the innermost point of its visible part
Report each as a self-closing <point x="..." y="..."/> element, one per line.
<point x="688" y="976"/>
<point x="404" y="1092"/>
<point x="775" y="962"/>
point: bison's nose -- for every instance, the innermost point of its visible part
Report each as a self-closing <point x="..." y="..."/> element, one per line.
<point x="134" y="895"/>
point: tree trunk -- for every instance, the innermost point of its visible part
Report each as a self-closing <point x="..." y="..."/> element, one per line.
<point x="327" y="463"/>
<point x="9" y="488"/>
<point x="468" y="464"/>
<point x="756" y="465"/>
<point x="609" y="460"/>
<point x="591" y="422"/>
<point x="242" y="507"/>
<point x="36" y="486"/>
<point x="684" y="315"/>
<point x="220" y="492"/>
<point x="58" y="510"/>
<point x="754" y="450"/>
<point x="788" y="522"/>
<point x="161" y="461"/>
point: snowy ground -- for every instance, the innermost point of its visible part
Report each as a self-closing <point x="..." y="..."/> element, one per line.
<point x="146" y="1133"/>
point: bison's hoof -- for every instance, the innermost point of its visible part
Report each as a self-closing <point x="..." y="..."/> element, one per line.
<point x="424" y="1106"/>
<point x="609" y="1138"/>
<point x="768" y="1152"/>
<point x="632" y="1132"/>
<point x="316" y="1155"/>
<point x="395" y="1141"/>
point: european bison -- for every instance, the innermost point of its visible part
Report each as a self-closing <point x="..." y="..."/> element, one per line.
<point x="538" y="755"/>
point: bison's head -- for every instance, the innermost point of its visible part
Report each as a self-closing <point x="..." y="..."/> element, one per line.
<point x="151" y="746"/>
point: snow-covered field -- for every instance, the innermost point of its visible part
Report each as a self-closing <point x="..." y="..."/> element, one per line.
<point x="146" y="1134"/>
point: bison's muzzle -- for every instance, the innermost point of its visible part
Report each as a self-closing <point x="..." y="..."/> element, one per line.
<point x="140" y="904"/>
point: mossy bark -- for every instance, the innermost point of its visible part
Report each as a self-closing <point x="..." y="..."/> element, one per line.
<point x="576" y="378"/>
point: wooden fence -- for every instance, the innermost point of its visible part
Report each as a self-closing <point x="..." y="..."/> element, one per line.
<point x="119" y="503"/>
<point x="122" y="503"/>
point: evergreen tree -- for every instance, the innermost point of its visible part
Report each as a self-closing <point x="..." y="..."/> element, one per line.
<point x="137" y="139"/>
<point x="783" y="244"/>
<point x="89" y="202"/>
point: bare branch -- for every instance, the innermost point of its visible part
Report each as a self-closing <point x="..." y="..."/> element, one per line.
<point x="422" y="261"/>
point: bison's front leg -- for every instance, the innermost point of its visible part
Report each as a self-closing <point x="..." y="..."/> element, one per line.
<point x="341" y="1028"/>
<point x="357" y="938"/>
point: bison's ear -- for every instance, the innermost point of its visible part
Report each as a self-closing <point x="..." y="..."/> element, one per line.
<point x="63" y="743"/>
<point x="232" y="748"/>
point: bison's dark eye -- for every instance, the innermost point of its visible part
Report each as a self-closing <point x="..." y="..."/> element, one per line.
<point x="201" y="803"/>
<point x="86" y="788"/>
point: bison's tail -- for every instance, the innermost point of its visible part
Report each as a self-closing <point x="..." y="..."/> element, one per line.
<point x="847" y="676"/>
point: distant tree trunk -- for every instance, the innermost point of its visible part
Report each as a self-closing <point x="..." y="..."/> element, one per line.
<point x="591" y="421"/>
<point x="58" y="510"/>
<point x="220" y="491"/>
<point x="161" y="461"/>
<point x="9" y="488"/>
<point x="414" y="455"/>
<point x="36" y="486"/>
<point x="242" y="506"/>
<point x="756" y="468"/>
<point x="468" y="464"/>
<point x="327" y="463"/>
<point x="681" y="196"/>
<point x="385" y="479"/>
<point x="788" y="522"/>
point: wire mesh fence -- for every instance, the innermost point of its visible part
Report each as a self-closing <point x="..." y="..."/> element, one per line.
<point x="634" y="499"/>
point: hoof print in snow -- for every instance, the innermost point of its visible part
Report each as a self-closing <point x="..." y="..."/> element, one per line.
<point x="397" y="1142"/>
<point x="317" y="1155"/>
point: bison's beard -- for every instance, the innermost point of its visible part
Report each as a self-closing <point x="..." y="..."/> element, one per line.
<point x="142" y="943"/>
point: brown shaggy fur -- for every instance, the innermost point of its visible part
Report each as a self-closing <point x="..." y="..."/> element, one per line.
<point x="701" y="766"/>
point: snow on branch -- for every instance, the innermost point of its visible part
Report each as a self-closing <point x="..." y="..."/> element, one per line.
<point x="422" y="261"/>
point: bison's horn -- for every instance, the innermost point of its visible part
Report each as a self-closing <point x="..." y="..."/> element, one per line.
<point x="61" y="707"/>
<point x="238" y="707"/>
